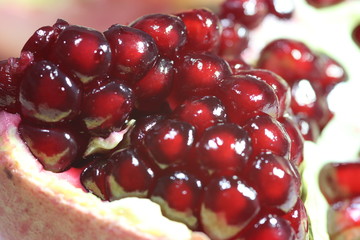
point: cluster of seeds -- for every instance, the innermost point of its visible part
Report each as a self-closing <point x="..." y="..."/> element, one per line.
<point x="216" y="141"/>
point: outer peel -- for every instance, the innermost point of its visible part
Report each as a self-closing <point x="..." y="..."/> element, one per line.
<point x="37" y="204"/>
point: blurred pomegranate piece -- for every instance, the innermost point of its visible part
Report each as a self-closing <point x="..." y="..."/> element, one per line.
<point x="323" y="3"/>
<point x="338" y="181"/>
<point x="250" y="13"/>
<point x="283" y="9"/>
<point x="355" y="34"/>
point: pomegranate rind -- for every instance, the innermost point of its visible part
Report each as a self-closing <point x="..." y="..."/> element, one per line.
<point x="37" y="204"/>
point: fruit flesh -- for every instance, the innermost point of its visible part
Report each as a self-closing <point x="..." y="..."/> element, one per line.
<point x="45" y="196"/>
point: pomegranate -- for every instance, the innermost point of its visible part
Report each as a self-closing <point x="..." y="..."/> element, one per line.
<point x="155" y="130"/>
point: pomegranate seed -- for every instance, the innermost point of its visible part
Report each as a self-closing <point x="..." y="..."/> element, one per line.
<point x="234" y="39"/>
<point x="309" y="102"/>
<point x="142" y="126"/>
<point x="343" y="219"/>
<point x="198" y="74"/>
<point x="228" y="206"/>
<point x="250" y="13"/>
<point x="133" y="51"/>
<point x="290" y="59"/>
<point x="237" y="65"/>
<point x="275" y="180"/>
<point x="55" y="148"/>
<point x="8" y="88"/>
<point x="83" y="51"/>
<point x="201" y="113"/>
<point x="224" y="148"/>
<point x="155" y="86"/>
<point x="283" y="9"/>
<point x="280" y="86"/>
<point x="296" y="140"/>
<point x="48" y="95"/>
<point x="106" y="108"/>
<point x="170" y="141"/>
<point x="323" y="3"/>
<point x="309" y="128"/>
<point x="339" y="181"/>
<point x="299" y="220"/>
<point x="355" y="34"/>
<point x="245" y="94"/>
<point x="94" y="177"/>
<point x="179" y="194"/>
<point x="169" y="32"/>
<point x="42" y="41"/>
<point x="268" y="135"/>
<point x="203" y="30"/>
<point x="328" y="73"/>
<point x="11" y="72"/>
<point x="130" y="176"/>
<point x="271" y="227"/>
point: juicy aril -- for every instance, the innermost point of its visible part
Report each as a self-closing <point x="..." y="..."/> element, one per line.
<point x="154" y="131"/>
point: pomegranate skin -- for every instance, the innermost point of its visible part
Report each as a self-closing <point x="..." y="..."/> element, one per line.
<point x="37" y="204"/>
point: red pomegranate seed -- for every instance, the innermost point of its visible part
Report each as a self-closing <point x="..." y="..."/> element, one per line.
<point x="106" y="108"/>
<point x="224" y="148"/>
<point x="343" y="219"/>
<point x="94" y="177"/>
<point x="201" y="113"/>
<point x="237" y="65"/>
<point x="11" y="72"/>
<point x="245" y="94"/>
<point x="41" y="42"/>
<point x="48" y="95"/>
<point x="280" y="86"/>
<point x="268" y="135"/>
<point x="8" y="88"/>
<point x="247" y="12"/>
<point x="179" y="194"/>
<point x="283" y="9"/>
<point x="152" y="89"/>
<point x="355" y="34"/>
<point x="323" y="3"/>
<point x="275" y="180"/>
<point x="55" y="148"/>
<point x="168" y="31"/>
<point x="82" y="51"/>
<point x="299" y="220"/>
<point x="130" y="176"/>
<point x="202" y="29"/>
<point x="198" y="74"/>
<point x="328" y="73"/>
<point x="234" y="39"/>
<point x="309" y="128"/>
<point x="142" y="126"/>
<point x="296" y="140"/>
<point x="339" y="181"/>
<point x="170" y="141"/>
<point x="290" y="59"/>
<point x="133" y="52"/>
<point x="270" y="227"/>
<point x="228" y="206"/>
<point x="308" y="101"/>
